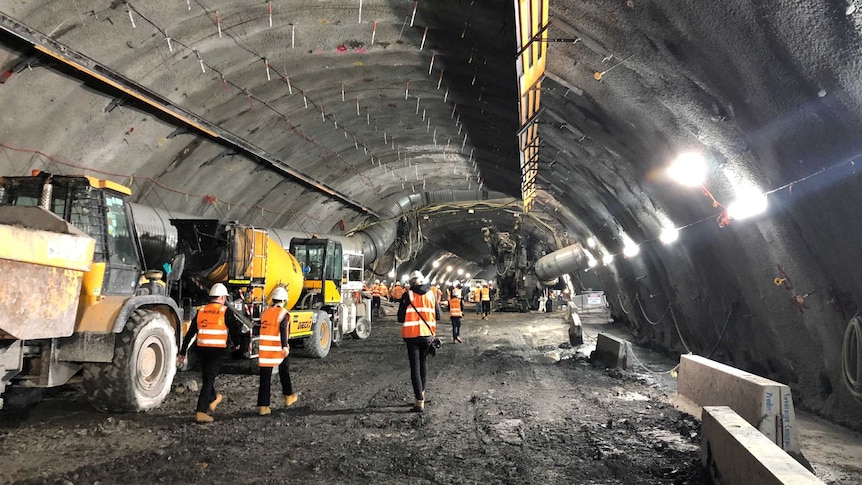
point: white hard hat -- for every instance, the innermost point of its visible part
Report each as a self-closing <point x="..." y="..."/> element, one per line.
<point x="279" y="294"/>
<point x="376" y="282"/>
<point x="416" y="278"/>
<point x="218" y="289"/>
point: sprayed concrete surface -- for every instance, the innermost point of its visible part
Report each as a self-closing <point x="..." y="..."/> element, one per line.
<point x="513" y="404"/>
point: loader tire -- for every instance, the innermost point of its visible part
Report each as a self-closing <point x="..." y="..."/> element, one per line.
<point x="140" y="375"/>
<point x="363" y="329"/>
<point x="317" y="346"/>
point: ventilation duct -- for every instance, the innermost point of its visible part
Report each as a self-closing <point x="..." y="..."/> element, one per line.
<point x="567" y="260"/>
<point x="159" y="238"/>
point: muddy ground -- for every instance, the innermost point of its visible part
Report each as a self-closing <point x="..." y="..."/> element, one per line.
<point x="500" y="409"/>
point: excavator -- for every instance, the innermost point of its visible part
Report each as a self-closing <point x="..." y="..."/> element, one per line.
<point x="101" y="313"/>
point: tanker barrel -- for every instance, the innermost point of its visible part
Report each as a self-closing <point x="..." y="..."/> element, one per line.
<point x="567" y="260"/>
<point x="282" y="269"/>
<point x="158" y="237"/>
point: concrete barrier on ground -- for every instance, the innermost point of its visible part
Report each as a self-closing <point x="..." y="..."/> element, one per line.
<point x="765" y="404"/>
<point x="735" y="452"/>
<point x="573" y="320"/>
<point x="611" y="351"/>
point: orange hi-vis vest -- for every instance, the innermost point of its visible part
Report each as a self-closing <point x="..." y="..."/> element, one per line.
<point x="486" y="294"/>
<point x="269" y="350"/>
<point x="413" y="325"/>
<point x="384" y="291"/>
<point x="455" y="307"/>
<point x="212" y="330"/>
<point x="375" y="291"/>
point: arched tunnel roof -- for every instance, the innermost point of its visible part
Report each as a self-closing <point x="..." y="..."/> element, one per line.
<point x="318" y="116"/>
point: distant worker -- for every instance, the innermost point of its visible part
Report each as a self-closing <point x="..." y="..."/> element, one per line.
<point x="473" y="298"/>
<point x="274" y="351"/>
<point x="375" y="298"/>
<point x="418" y="313"/>
<point x="212" y="325"/>
<point x="485" y="297"/>
<point x="438" y="293"/>
<point x="397" y="292"/>
<point x="384" y="291"/>
<point x="455" y="314"/>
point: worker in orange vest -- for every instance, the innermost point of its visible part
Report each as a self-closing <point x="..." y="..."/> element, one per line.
<point x="418" y="313"/>
<point x="212" y="326"/>
<point x="397" y="292"/>
<point x="384" y="291"/>
<point x="273" y="352"/>
<point x="375" y="298"/>
<point x="485" y="297"/>
<point x="455" y="314"/>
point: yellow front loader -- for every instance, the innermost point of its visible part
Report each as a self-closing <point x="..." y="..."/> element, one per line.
<point x="75" y="296"/>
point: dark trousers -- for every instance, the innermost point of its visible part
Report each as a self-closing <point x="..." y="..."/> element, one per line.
<point x="478" y="308"/>
<point x="486" y="307"/>
<point x="210" y="359"/>
<point x="456" y="327"/>
<point x="375" y="305"/>
<point x="264" y="391"/>
<point x="417" y="353"/>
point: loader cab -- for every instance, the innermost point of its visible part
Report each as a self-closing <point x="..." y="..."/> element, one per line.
<point x="96" y="207"/>
<point x="321" y="260"/>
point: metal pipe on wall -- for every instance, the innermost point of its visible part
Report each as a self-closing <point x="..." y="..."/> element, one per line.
<point x="567" y="260"/>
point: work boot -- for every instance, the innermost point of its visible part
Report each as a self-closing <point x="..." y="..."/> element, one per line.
<point x="458" y="339"/>
<point x="203" y="417"/>
<point x="264" y="410"/>
<point x="291" y="399"/>
<point x="216" y="402"/>
<point x="419" y="407"/>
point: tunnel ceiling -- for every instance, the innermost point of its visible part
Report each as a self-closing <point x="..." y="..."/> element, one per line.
<point x="316" y="116"/>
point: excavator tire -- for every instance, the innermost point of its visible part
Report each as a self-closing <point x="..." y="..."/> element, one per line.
<point x="140" y="375"/>
<point x="317" y="346"/>
<point x="363" y="329"/>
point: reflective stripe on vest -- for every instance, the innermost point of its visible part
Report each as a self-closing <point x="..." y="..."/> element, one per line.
<point x="269" y="348"/>
<point x="455" y="307"/>
<point x="212" y="330"/>
<point x="413" y="325"/>
<point x="486" y="294"/>
<point x="375" y="291"/>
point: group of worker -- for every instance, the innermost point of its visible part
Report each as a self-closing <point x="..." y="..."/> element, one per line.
<point x="213" y="325"/>
<point x="418" y="313"/>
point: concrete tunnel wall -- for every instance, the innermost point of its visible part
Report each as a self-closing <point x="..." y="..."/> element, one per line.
<point x="770" y="92"/>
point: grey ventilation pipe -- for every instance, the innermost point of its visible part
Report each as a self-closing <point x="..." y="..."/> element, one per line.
<point x="379" y="237"/>
<point x="159" y="238"/>
<point x="567" y="260"/>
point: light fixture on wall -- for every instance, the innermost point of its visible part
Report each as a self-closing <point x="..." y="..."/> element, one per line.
<point x="689" y="169"/>
<point x="749" y="202"/>
<point x="669" y="235"/>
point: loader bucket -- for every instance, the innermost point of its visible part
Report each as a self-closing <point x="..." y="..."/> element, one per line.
<point x="42" y="263"/>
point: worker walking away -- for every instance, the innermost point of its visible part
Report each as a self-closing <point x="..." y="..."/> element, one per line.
<point x="375" y="298"/>
<point x="418" y="313"/>
<point x="274" y="351"/>
<point x="212" y="325"/>
<point x="455" y="314"/>
<point x="485" y="297"/>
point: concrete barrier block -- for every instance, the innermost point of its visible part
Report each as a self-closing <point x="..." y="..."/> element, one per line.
<point x="610" y="351"/>
<point x="765" y="404"/>
<point x="734" y="452"/>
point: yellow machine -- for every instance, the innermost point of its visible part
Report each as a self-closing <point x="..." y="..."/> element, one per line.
<point x="77" y="297"/>
<point x="73" y="297"/>
<point x="251" y="264"/>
